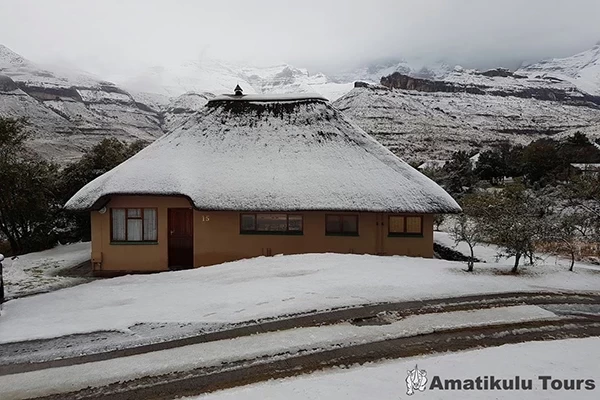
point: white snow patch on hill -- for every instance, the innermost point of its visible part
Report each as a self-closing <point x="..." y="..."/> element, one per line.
<point x="583" y="69"/>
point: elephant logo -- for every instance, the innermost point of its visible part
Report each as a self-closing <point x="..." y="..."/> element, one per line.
<point x="416" y="379"/>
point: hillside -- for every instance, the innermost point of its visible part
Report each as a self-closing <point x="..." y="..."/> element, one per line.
<point x="582" y="70"/>
<point x="419" y="111"/>
<point x="69" y="112"/>
<point x="419" y="125"/>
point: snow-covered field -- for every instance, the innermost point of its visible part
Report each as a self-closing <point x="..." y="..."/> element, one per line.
<point x="563" y="359"/>
<point x="266" y="287"/>
<point x="37" y="272"/>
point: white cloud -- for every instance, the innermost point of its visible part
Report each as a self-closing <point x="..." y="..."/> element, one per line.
<point x="110" y="36"/>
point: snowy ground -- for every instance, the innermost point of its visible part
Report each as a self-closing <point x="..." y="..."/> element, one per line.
<point x="37" y="272"/>
<point x="265" y="287"/>
<point x="563" y="359"/>
<point x="274" y="345"/>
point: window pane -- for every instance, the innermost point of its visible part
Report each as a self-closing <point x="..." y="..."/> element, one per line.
<point x="333" y="224"/>
<point x="396" y="224"/>
<point x="271" y="222"/>
<point x="295" y="223"/>
<point x="413" y="224"/>
<point x="134" y="229"/>
<point x="134" y="213"/>
<point x="248" y="222"/>
<point x="150" y="224"/>
<point x="350" y="224"/>
<point x="118" y="224"/>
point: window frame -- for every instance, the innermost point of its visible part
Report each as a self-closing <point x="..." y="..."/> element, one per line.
<point x="405" y="233"/>
<point x="341" y="232"/>
<point x="126" y="209"/>
<point x="287" y="232"/>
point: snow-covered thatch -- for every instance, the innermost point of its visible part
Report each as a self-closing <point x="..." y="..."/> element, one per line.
<point x="271" y="154"/>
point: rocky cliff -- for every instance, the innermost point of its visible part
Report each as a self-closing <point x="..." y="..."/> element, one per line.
<point x="496" y="82"/>
<point x="68" y="113"/>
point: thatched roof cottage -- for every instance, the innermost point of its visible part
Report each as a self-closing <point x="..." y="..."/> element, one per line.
<point x="253" y="175"/>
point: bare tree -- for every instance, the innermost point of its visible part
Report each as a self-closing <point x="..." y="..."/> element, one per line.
<point x="465" y="229"/>
<point x="513" y="218"/>
<point x="570" y="227"/>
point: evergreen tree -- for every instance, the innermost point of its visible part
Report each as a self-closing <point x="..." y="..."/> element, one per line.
<point x="28" y="200"/>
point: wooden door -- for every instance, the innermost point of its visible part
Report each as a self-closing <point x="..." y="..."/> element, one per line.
<point x="380" y="233"/>
<point x="181" y="238"/>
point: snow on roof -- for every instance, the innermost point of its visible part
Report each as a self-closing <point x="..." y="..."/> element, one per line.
<point x="270" y="97"/>
<point x="271" y="156"/>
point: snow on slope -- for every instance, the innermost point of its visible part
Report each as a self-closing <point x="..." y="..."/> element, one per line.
<point x="372" y="72"/>
<point x="69" y="110"/>
<point x="583" y="69"/>
<point x="421" y="126"/>
<point x="266" y="287"/>
<point x="561" y="359"/>
<point x="37" y="272"/>
<point x="182" y="107"/>
<point x="220" y="77"/>
<point x="193" y="76"/>
<point x="512" y="82"/>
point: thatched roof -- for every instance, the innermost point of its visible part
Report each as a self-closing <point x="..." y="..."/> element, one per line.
<point x="271" y="153"/>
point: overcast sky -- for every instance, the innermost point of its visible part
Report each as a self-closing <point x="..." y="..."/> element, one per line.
<point x="108" y="36"/>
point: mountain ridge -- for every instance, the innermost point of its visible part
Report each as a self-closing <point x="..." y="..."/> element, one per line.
<point x="70" y="110"/>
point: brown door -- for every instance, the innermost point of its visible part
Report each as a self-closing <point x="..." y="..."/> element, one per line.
<point x="181" y="238"/>
<point x="380" y="234"/>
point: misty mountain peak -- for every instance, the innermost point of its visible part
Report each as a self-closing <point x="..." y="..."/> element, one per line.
<point x="9" y="57"/>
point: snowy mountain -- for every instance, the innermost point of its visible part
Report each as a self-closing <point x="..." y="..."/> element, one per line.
<point x="69" y="111"/>
<point x="374" y="71"/>
<point x="182" y="107"/>
<point x="220" y="77"/>
<point x="421" y="112"/>
<point x="582" y="70"/>
<point x="424" y="124"/>
<point x="423" y="118"/>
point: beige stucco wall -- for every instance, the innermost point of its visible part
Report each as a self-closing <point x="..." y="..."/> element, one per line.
<point x="133" y="257"/>
<point x="217" y="238"/>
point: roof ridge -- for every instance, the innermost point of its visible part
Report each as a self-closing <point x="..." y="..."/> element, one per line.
<point x="269" y="97"/>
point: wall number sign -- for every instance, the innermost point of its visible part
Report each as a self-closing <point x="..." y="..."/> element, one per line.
<point x="205" y="218"/>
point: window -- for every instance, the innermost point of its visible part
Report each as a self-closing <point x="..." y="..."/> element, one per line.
<point x="401" y="225"/>
<point x="276" y="224"/>
<point x="134" y="225"/>
<point x="341" y="225"/>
